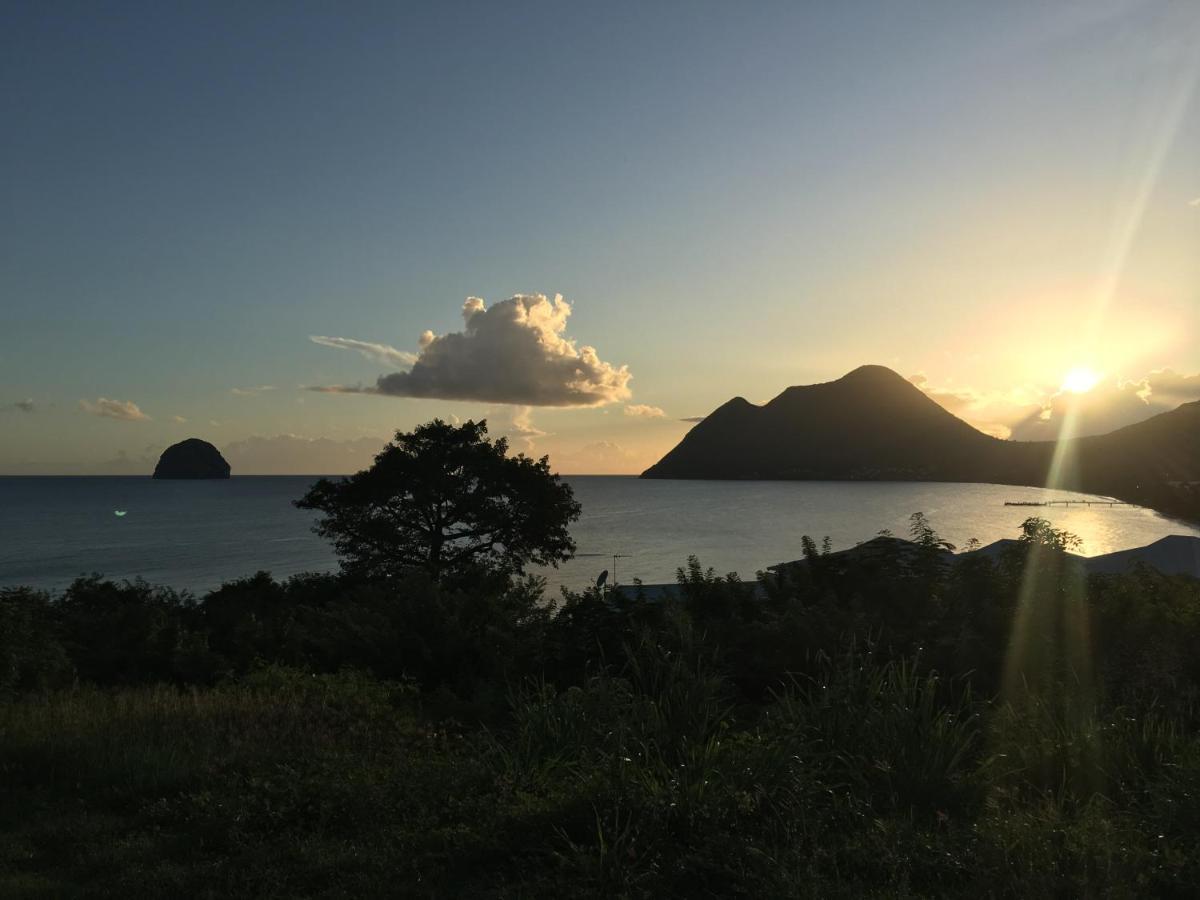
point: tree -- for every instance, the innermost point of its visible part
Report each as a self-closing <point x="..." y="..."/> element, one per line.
<point x="1037" y="532"/>
<point x="447" y="500"/>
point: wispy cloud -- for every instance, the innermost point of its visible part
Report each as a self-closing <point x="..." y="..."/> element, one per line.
<point x="515" y="351"/>
<point x="291" y="454"/>
<point x="124" y="410"/>
<point x="1195" y="202"/>
<point x="598" y="458"/>
<point x="694" y="419"/>
<point x="380" y="353"/>
<point x="26" y="406"/>
<point x="251" y="391"/>
<point x="178" y="420"/>
<point x="642" y="411"/>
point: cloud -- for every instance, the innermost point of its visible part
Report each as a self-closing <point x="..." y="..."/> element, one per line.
<point x="1031" y="414"/>
<point x="956" y="401"/>
<point x="598" y="458"/>
<point x="380" y="353"/>
<point x="1169" y="387"/>
<point x="694" y="419"/>
<point x="512" y="352"/>
<point x="125" y="410"/>
<point x="1195" y="202"/>
<point x="252" y="391"/>
<point x="26" y="406"/>
<point x="124" y="464"/>
<point x="291" y="454"/>
<point x="522" y="421"/>
<point x="642" y="411"/>
<point x="1105" y="408"/>
<point x="523" y="429"/>
<point x="178" y="420"/>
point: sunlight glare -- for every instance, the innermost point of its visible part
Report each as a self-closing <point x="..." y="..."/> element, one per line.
<point x="1080" y="380"/>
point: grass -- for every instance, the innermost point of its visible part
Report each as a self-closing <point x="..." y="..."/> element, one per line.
<point x="871" y="778"/>
<point x="849" y="735"/>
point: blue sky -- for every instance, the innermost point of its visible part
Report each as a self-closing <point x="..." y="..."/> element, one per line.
<point x="731" y="197"/>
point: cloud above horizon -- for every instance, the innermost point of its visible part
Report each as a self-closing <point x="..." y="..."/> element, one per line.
<point x="252" y="391"/>
<point x="292" y="454"/>
<point x="123" y="410"/>
<point x="515" y="351"/>
<point x="596" y="458"/>
<point x="1171" y="387"/>
<point x="1031" y="414"/>
<point x="26" y="406"/>
<point x="642" y="411"/>
<point x="522" y="428"/>
<point x="380" y="353"/>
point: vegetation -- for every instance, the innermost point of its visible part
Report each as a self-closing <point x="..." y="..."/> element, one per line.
<point x="849" y="727"/>
<point x="446" y="500"/>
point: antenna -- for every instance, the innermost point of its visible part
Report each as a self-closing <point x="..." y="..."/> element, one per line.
<point x="604" y="575"/>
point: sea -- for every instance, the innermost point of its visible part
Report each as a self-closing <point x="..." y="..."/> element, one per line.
<point x="195" y="535"/>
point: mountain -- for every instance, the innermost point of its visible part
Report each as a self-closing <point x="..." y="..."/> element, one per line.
<point x="192" y="458"/>
<point x="1175" y="554"/>
<point x="872" y="424"/>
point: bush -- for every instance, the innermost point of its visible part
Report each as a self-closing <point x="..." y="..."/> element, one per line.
<point x="31" y="656"/>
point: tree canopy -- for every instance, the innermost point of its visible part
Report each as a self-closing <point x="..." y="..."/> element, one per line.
<point x="447" y="500"/>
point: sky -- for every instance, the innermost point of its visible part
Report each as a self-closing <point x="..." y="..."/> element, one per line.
<point x="293" y="229"/>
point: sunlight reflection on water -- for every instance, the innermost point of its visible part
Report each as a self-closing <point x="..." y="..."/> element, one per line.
<point x="197" y="534"/>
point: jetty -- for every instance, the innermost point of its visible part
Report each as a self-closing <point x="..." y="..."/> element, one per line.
<point x="1066" y="503"/>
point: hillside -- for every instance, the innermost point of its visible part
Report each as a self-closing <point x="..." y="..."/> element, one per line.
<point x="872" y="424"/>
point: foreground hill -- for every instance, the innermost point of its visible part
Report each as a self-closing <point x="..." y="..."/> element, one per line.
<point x="873" y="424"/>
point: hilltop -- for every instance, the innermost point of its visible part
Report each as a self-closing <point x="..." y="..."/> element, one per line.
<point x="192" y="458"/>
<point x="872" y="424"/>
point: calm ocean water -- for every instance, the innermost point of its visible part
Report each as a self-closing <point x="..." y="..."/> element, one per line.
<point x="196" y="534"/>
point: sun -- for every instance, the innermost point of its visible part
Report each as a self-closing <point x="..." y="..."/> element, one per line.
<point x="1080" y="380"/>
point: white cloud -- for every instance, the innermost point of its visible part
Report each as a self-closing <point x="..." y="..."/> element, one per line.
<point x="252" y="391"/>
<point x="178" y="420"/>
<point x="380" y="353"/>
<point x="125" y="410"/>
<point x="642" y="411"/>
<point x="512" y="352"/>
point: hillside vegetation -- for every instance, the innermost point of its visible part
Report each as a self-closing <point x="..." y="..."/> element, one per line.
<point x="874" y="728"/>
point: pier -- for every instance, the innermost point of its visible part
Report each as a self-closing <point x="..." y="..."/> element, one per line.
<point x="1066" y="503"/>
